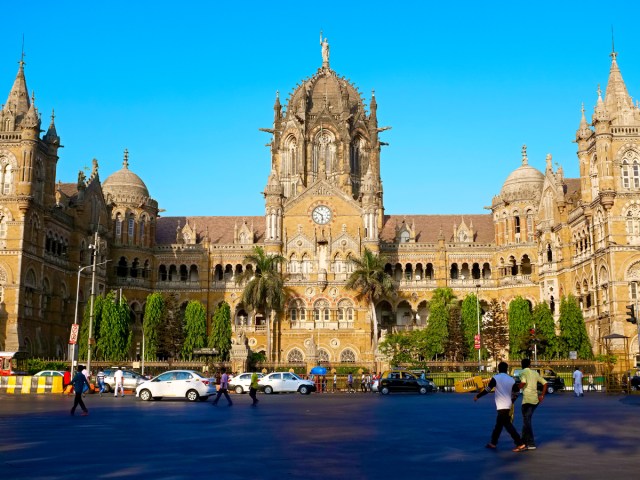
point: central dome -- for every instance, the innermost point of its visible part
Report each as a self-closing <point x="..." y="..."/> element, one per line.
<point x="125" y="182"/>
<point x="522" y="181"/>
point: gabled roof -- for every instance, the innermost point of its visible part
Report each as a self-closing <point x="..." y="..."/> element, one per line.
<point x="428" y="227"/>
<point x="219" y="229"/>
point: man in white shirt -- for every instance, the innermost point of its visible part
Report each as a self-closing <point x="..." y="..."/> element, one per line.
<point x="577" y="382"/>
<point x="504" y="385"/>
<point x="119" y="379"/>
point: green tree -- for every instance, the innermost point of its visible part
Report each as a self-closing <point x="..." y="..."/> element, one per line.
<point x="372" y="283"/>
<point x="83" y="338"/>
<point x="264" y="288"/>
<point x="573" y="332"/>
<point x="545" y="331"/>
<point x="154" y="312"/>
<point x="115" y="334"/>
<point x="469" y="313"/>
<point x="520" y="323"/>
<point x="455" y="344"/>
<point x="195" y="328"/>
<point x="220" y="334"/>
<point x="171" y="333"/>
<point x="399" y="348"/>
<point x="436" y="332"/>
<point x="495" y="330"/>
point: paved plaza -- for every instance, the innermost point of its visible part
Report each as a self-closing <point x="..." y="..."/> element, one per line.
<point x="357" y="436"/>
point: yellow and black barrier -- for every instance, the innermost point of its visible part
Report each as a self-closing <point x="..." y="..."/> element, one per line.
<point x="473" y="384"/>
<point x="23" y="384"/>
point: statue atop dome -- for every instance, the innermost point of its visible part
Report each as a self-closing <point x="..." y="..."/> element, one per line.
<point x="325" y="51"/>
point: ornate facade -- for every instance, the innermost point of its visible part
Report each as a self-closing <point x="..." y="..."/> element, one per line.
<point x="546" y="235"/>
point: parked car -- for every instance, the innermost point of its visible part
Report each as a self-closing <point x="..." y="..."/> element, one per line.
<point x="49" y="373"/>
<point x="631" y="378"/>
<point x="241" y="382"/>
<point x="131" y="379"/>
<point x="285" y="382"/>
<point x="401" y="381"/>
<point x="187" y="384"/>
<point x="554" y="382"/>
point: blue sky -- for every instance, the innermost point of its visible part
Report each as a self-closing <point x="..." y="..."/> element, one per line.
<point x="185" y="87"/>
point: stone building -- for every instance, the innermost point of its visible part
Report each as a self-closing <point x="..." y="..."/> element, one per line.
<point x="546" y="236"/>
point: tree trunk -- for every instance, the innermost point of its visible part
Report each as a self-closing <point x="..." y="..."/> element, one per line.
<point x="374" y="321"/>
<point x="268" y="315"/>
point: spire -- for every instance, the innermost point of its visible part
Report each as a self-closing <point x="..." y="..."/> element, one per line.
<point x="373" y="107"/>
<point x="616" y="92"/>
<point x="125" y="161"/>
<point x="584" y="131"/>
<point x="18" y="100"/>
<point x="52" y="135"/>
<point x="32" y="119"/>
<point x="548" y="162"/>
<point x="277" y="108"/>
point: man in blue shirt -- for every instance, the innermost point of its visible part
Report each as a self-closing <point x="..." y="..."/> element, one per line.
<point x="79" y="381"/>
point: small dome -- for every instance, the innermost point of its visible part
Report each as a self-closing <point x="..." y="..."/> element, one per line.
<point x="124" y="181"/>
<point x="522" y="182"/>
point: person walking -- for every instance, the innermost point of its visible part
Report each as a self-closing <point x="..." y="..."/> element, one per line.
<point x="224" y="386"/>
<point x="100" y="379"/>
<point x="529" y="380"/>
<point x="350" y="384"/>
<point x="590" y="381"/>
<point x="79" y="381"/>
<point x="335" y="382"/>
<point x="86" y="373"/>
<point x="504" y="391"/>
<point x="363" y="383"/>
<point x="119" y="379"/>
<point x="253" y="389"/>
<point x="577" y="382"/>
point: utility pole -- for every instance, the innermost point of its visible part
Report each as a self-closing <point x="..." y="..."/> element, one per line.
<point x="96" y="249"/>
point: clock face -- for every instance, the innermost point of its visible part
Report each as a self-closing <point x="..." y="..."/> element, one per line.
<point x="321" y="215"/>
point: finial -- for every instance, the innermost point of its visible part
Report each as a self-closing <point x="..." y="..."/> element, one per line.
<point x="33" y="96"/>
<point x="582" y="110"/>
<point x="613" y="48"/>
<point x="373" y="92"/>
<point x="599" y="92"/>
<point x="22" y="55"/>
<point x="548" y="161"/>
<point x="277" y="93"/>
<point x="125" y="162"/>
<point x="525" y="160"/>
<point x="53" y="115"/>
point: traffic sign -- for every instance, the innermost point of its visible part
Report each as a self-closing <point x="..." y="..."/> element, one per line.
<point x="73" y="338"/>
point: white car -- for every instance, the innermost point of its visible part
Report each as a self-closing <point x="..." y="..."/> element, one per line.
<point x="241" y="383"/>
<point x="49" y="373"/>
<point x="187" y="384"/>
<point x="285" y="382"/>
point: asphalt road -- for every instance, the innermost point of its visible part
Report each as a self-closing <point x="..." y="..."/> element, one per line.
<point x="357" y="436"/>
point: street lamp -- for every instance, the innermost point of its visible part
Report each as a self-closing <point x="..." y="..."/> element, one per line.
<point x="75" y="319"/>
<point x="478" y="315"/>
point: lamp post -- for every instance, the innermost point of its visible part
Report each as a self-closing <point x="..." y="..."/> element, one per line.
<point x="478" y="315"/>
<point x="75" y="319"/>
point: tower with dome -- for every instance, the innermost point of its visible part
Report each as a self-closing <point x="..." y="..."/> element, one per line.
<point x="545" y="236"/>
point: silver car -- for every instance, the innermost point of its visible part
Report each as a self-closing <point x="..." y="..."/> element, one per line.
<point x="131" y="379"/>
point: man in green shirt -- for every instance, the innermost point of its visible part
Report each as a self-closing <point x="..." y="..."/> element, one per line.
<point x="529" y="380"/>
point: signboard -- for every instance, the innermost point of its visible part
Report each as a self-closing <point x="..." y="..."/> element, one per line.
<point x="205" y="351"/>
<point x="477" y="341"/>
<point x="573" y="355"/>
<point x="73" y="338"/>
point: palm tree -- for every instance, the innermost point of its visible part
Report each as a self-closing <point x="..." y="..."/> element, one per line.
<point x="371" y="282"/>
<point x="264" y="288"/>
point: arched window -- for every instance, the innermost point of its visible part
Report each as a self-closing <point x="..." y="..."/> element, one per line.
<point x="162" y="273"/>
<point x="321" y="311"/>
<point x="530" y="231"/>
<point x="345" y="311"/>
<point x="122" y="268"/>
<point x="324" y="153"/>
<point x="30" y="285"/>
<point x="295" y="356"/>
<point x="3" y="227"/>
<point x="347" y="356"/>
<point x="630" y="170"/>
<point x="297" y="311"/>
<point x="131" y="229"/>
<point x="7" y="179"/>
<point x="323" y="356"/>
<point x="633" y="221"/>
<point x="142" y="232"/>
<point x="118" y="227"/>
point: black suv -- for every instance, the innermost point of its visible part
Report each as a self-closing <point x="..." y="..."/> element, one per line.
<point x="554" y="382"/>
<point x="401" y="381"/>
